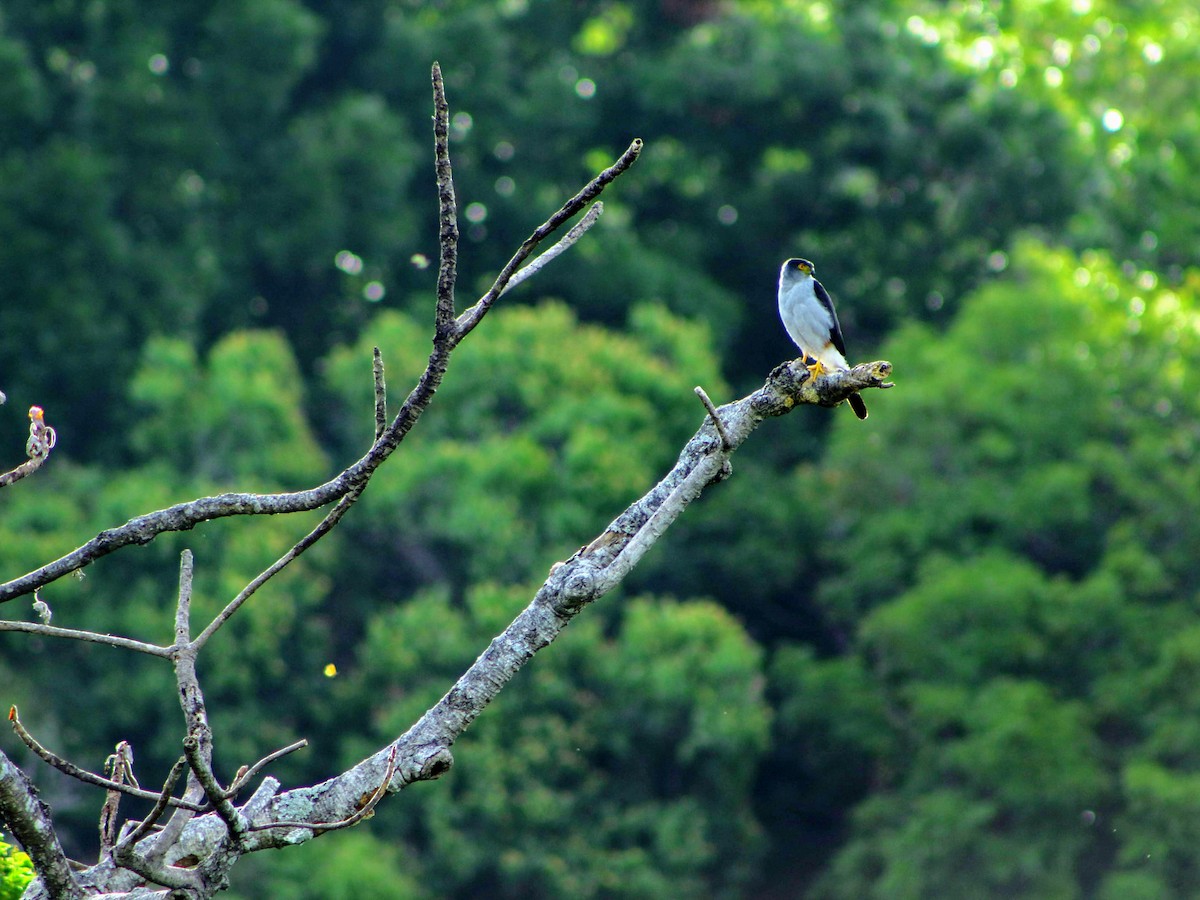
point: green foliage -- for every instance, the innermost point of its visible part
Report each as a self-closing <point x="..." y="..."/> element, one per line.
<point x="543" y="431"/>
<point x="16" y="871"/>
<point x="979" y="605"/>
<point x="351" y="865"/>
<point x="221" y="159"/>
<point x="1119" y="71"/>
<point x="238" y="419"/>
<point x="1069" y="423"/>
<point x="1019" y="642"/>
<point x="621" y="763"/>
<point x="233" y="420"/>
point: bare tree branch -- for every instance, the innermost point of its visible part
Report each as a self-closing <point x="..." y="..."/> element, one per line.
<point x="197" y="745"/>
<point x="69" y="768"/>
<point x="368" y="806"/>
<point x="28" y="818"/>
<point x="325" y="526"/>
<point x="447" y="208"/>
<point x="424" y="750"/>
<point x="89" y="636"/>
<point x="380" y="394"/>
<point x="248" y="775"/>
<point x="716" y="418"/>
<point x="160" y="806"/>
<point x="472" y="317"/>
<point x="184" y="516"/>
<point x="118" y="767"/>
<point x="201" y="766"/>
<point x="562" y="245"/>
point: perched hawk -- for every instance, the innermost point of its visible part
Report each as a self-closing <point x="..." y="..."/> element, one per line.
<point x="808" y="316"/>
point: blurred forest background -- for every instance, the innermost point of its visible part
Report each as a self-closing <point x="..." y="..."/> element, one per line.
<point x="951" y="651"/>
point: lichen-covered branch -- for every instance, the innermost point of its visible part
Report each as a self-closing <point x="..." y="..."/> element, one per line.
<point x="276" y="819"/>
<point x="424" y="750"/>
<point x="447" y="208"/>
<point x="24" y="814"/>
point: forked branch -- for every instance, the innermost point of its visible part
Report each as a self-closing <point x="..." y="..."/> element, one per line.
<point x="597" y="568"/>
<point x="184" y="516"/>
<point x="137" y="853"/>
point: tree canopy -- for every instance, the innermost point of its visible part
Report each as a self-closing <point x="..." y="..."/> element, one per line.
<point x="945" y="652"/>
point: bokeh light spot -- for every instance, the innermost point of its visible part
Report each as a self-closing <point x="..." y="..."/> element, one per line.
<point x="348" y="262"/>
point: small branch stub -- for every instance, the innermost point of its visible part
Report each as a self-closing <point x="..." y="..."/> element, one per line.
<point x="726" y="444"/>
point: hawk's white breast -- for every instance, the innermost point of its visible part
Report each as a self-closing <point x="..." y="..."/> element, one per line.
<point x="807" y="320"/>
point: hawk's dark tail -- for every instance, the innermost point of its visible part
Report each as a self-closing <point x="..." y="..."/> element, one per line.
<point x="856" y="404"/>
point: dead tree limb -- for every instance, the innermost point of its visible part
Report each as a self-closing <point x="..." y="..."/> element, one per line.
<point x="193" y="852"/>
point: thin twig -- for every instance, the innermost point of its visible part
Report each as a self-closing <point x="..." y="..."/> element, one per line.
<point x="471" y="317"/>
<point x="160" y="806"/>
<point x="119" y="767"/>
<point x="87" y="777"/>
<point x="712" y="411"/>
<point x="577" y="231"/>
<point x="323" y="527"/>
<point x="111" y="640"/>
<point x="380" y="395"/>
<point x="244" y="777"/>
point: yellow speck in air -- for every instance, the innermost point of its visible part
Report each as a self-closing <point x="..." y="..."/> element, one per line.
<point x="330" y="670"/>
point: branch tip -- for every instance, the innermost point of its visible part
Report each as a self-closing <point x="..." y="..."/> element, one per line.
<point x="380" y="394"/>
<point x="726" y="444"/>
<point x="447" y="210"/>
